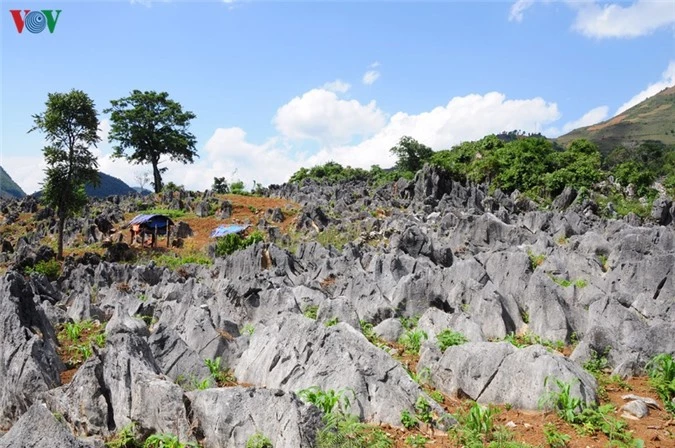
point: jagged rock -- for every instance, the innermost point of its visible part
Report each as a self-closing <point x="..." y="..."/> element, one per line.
<point x="229" y="417"/>
<point x="294" y="353"/>
<point x="183" y="230"/>
<point x="175" y="358"/>
<point x="274" y="215"/>
<point x="38" y="428"/>
<point x="85" y="402"/>
<point x="118" y="252"/>
<point x="485" y="372"/>
<point x="565" y="199"/>
<point x="389" y="330"/>
<point x="203" y="209"/>
<point x="661" y="211"/>
<point x="225" y="210"/>
<point x="29" y="364"/>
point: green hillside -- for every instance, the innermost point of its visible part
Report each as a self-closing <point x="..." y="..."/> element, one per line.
<point x="9" y="188"/>
<point x="109" y="186"/>
<point x="652" y="119"/>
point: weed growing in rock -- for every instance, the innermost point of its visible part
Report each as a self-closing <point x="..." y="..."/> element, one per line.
<point x="597" y="363"/>
<point x="661" y="371"/>
<point x="166" y="441"/>
<point x="78" y="339"/>
<point x="408" y="420"/>
<point x="536" y="260"/>
<point x="258" y="440"/>
<point x="311" y="311"/>
<point x="223" y="376"/>
<point x="477" y="428"/>
<point x="411" y="341"/>
<point x="422" y="376"/>
<point x="423" y="411"/>
<point x="332" y="321"/>
<point x="437" y="397"/>
<point x="555" y="438"/>
<point x="125" y="438"/>
<point x="566" y="406"/>
<point x="325" y="400"/>
<point x="248" y="329"/>
<point x="416" y="441"/>
<point x="603" y="262"/>
<point x="448" y="338"/>
<point x="409" y="323"/>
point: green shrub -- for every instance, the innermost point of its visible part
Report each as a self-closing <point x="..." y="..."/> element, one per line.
<point x="416" y="441"/>
<point x="173" y="214"/>
<point x="408" y="420"/>
<point x="325" y="400"/>
<point x="411" y="341"/>
<point x="258" y="440"/>
<point x="661" y="371"/>
<point x="554" y="438"/>
<point x="566" y="406"/>
<point x="448" y="338"/>
<point x="165" y="441"/>
<point x="49" y="268"/>
<point x="124" y="438"/>
<point x="233" y="242"/>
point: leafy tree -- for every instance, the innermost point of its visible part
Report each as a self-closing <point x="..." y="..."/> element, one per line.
<point x="151" y="125"/>
<point x="70" y="124"/>
<point x="411" y="154"/>
<point x="634" y="173"/>
<point x="220" y="185"/>
<point x="578" y="166"/>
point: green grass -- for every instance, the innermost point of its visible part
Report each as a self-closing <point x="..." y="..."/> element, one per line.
<point x="448" y="338"/>
<point x="311" y="311"/>
<point x="661" y="370"/>
<point x="173" y="214"/>
<point x="331" y="236"/>
<point x="173" y="261"/>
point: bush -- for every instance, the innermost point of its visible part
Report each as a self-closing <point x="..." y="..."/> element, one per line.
<point x="232" y="242"/>
<point x="50" y="269"/>
<point x="258" y="440"/>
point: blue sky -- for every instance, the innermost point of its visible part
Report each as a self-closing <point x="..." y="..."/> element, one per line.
<point x="278" y="85"/>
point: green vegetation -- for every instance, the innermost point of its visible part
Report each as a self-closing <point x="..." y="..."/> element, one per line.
<point x="9" y="187"/>
<point x="248" y="329"/>
<point x="411" y="154"/>
<point x="579" y="283"/>
<point x="331" y="322"/>
<point x="223" y="376"/>
<point x="589" y="420"/>
<point x="661" y="371"/>
<point x="331" y="236"/>
<point x="411" y="341"/>
<point x="78" y="339"/>
<point x="258" y="440"/>
<point x="49" y="268"/>
<point x="409" y="322"/>
<point x="233" y="242"/>
<point x="341" y="429"/>
<point x="173" y="214"/>
<point x="174" y="261"/>
<point x="311" y="311"/>
<point x="127" y="437"/>
<point x="70" y="124"/>
<point x="477" y="429"/>
<point x="151" y="125"/>
<point x="448" y="338"/>
<point x="408" y="420"/>
<point x="535" y="260"/>
<point x="416" y="441"/>
<point x="526" y="339"/>
<point x="554" y="438"/>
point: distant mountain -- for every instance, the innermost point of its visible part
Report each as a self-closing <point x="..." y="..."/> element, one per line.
<point x="109" y="186"/>
<point x="9" y="188"/>
<point x="652" y="119"/>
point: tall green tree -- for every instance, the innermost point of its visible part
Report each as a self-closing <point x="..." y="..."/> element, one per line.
<point x="150" y="125"/>
<point x="70" y="124"/>
<point x="411" y="154"/>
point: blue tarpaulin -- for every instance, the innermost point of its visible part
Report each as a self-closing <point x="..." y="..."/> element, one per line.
<point x="151" y="221"/>
<point x="223" y="230"/>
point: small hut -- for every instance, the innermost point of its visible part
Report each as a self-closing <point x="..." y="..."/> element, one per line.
<point x="153" y="225"/>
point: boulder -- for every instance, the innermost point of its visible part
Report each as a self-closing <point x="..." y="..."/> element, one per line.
<point x="229" y="417"/>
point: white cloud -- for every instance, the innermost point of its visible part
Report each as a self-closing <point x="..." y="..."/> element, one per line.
<point x="370" y="77"/>
<point x="593" y="116"/>
<point x="322" y="116"/>
<point x="518" y="8"/>
<point x="337" y="86"/>
<point x="613" y="20"/>
<point x="667" y="80"/>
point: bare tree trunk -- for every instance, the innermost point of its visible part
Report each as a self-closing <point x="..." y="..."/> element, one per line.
<point x="158" y="177"/>
<point x="62" y="222"/>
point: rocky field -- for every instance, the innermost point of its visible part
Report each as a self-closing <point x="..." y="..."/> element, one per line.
<point x="420" y="313"/>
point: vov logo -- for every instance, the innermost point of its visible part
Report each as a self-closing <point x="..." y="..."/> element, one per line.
<point x="35" y="21"/>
